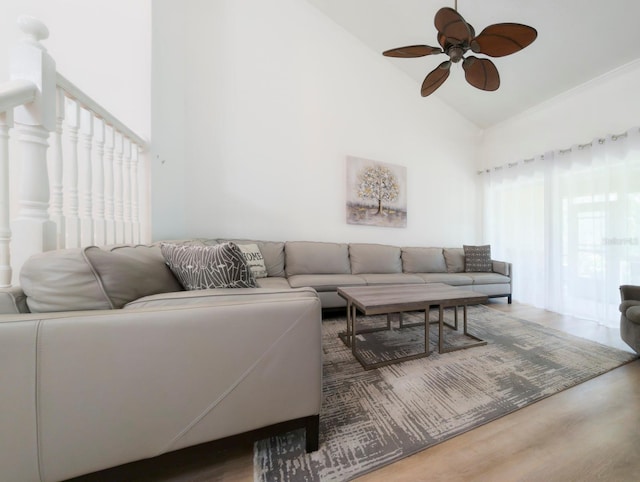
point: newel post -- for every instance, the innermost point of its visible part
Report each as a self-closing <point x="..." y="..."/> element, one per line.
<point x="33" y="231"/>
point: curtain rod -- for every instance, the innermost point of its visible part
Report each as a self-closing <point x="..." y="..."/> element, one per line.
<point x="600" y="140"/>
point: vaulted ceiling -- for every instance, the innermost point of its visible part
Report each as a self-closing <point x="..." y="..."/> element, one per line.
<point x="577" y="41"/>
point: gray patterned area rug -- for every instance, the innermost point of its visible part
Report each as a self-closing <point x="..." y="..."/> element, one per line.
<point x="373" y="418"/>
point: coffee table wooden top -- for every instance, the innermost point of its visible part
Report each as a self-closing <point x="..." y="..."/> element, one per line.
<point x="372" y="300"/>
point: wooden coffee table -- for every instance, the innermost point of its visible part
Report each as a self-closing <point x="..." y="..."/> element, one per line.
<point x="387" y="299"/>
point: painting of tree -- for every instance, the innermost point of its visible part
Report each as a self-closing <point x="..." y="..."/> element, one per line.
<point x="376" y="193"/>
<point x="379" y="184"/>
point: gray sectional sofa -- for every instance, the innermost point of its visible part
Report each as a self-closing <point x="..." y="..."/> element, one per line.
<point x="105" y="359"/>
<point x="327" y="266"/>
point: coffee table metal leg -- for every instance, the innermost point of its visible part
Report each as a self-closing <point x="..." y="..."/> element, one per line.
<point x="389" y="321"/>
<point x="440" y="328"/>
<point x="347" y="335"/>
<point x="441" y="347"/>
<point x="354" y="312"/>
<point x="353" y="334"/>
<point x="371" y="365"/>
<point x="426" y="331"/>
<point x="455" y="311"/>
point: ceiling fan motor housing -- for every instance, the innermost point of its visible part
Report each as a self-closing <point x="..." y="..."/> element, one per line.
<point x="455" y="53"/>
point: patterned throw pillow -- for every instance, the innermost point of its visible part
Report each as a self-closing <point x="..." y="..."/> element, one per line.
<point x="477" y="258"/>
<point x="254" y="258"/>
<point x="205" y="267"/>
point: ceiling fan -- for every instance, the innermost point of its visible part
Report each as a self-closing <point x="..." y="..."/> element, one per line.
<point x="456" y="37"/>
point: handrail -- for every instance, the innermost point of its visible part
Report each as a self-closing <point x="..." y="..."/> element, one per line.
<point x="100" y="112"/>
<point x="16" y="92"/>
<point x="104" y="162"/>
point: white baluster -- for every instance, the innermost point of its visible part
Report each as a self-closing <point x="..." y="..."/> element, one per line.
<point x="126" y="190"/>
<point x="72" y="220"/>
<point x="109" y="212"/>
<point x="100" y="226"/>
<point x="56" y="211"/>
<point x="33" y="231"/>
<point x="6" y="121"/>
<point x="135" y="202"/>
<point x="85" y="170"/>
<point x="143" y="196"/>
<point x="117" y="191"/>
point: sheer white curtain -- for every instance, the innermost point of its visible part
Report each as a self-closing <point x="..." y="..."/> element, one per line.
<point x="569" y="221"/>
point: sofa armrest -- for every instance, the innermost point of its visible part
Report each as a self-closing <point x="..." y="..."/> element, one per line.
<point x="13" y="301"/>
<point x="629" y="292"/>
<point x="142" y="382"/>
<point x="501" y="267"/>
<point x="626" y="304"/>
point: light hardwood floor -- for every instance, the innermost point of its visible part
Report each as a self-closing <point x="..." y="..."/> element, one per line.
<point x="587" y="433"/>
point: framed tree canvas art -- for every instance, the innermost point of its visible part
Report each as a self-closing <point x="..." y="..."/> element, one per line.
<point x="376" y="193"/>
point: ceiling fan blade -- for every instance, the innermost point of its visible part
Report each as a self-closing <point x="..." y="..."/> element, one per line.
<point x="503" y="39"/>
<point x="412" y="51"/>
<point x="435" y="78"/>
<point x="472" y="31"/>
<point x="481" y="73"/>
<point x="451" y="24"/>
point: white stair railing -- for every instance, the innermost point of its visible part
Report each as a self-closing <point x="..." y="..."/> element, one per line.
<point x="90" y="188"/>
<point x="6" y="122"/>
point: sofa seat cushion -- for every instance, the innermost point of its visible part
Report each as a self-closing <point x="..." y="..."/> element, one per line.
<point x="633" y="314"/>
<point x="423" y="260"/>
<point x="219" y="296"/>
<point x="391" y="279"/>
<point x="273" y="282"/>
<point x="453" y="279"/>
<point x="93" y="278"/>
<point x="374" y="258"/>
<point x="310" y="257"/>
<point x="487" y="278"/>
<point x="325" y="282"/>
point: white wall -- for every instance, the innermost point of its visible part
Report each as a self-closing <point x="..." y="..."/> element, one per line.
<point x="102" y="46"/>
<point x="168" y="120"/>
<point x="276" y="96"/>
<point x="606" y="105"/>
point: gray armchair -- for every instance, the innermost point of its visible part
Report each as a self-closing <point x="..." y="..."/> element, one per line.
<point x="630" y="316"/>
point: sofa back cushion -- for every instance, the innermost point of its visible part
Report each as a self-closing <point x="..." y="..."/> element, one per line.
<point x="423" y="260"/>
<point x="454" y="258"/>
<point x="374" y="258"/>
<point x="93" y="278"/>
<point x="310" y="257"/>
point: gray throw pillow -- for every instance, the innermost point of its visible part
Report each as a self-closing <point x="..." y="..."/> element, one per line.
<point x="477" y="258"/>
<point x="255" y="260"/>
<point x="206" y="267"/>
